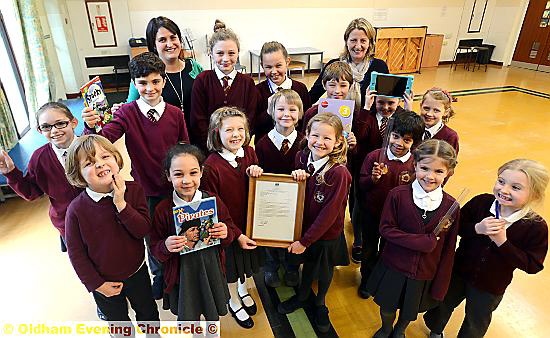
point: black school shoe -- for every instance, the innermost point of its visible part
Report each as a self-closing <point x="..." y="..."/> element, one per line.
<point x="356" y="254"/>
<point x="251" y="310"/>
<point x="436" y="335"/>
<point x="322" y="322"/>
<point x="292" y="278"/>
<point x="290" y="305"/>
<point x="247" y="323"/>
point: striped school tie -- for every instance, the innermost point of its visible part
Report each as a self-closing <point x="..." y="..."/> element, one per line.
<point x="151" y="115"/>
<point x="427" y="135"/>
<point x="226" y="86"/>
<point x="284" y="146"/>
<point x="383" y="125"/>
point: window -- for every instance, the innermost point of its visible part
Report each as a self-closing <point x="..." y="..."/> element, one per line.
<point x="11" y="80"/>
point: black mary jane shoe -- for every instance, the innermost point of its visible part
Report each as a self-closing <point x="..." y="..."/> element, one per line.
<point x="247" y="323"/>
<point x="251" y="310"/>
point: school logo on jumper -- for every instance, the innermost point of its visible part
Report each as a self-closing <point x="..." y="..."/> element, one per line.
<point x="319" y="197"/>
<point x="404" y="177"/>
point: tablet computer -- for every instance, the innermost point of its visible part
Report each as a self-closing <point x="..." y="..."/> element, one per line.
<point x="391" y="85"/>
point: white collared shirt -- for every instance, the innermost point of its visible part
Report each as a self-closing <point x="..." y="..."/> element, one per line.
<point x="179" y="202"/>
<point x="144" y="107"/>
<point x="278" y="139"/>
<point x="435" y="129"/>
<point x="428" y="201"/>
<point x="287" y="84"/>
<point x="403" y="158"/>
<point x="317" y="164"/>
<point x="511" y="219"/>
<point x="220" y="75"/>
<point x="379" y="118"/>
<point x="59" y="152"/>
<point x="230" y="157"/>
<point x="97" y="196"/>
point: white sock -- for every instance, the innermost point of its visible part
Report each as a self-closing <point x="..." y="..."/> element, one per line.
<point x="235" y="302"/>
<point x="243" y="290"/>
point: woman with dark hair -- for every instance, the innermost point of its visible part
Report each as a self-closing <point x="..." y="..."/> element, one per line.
<point x="359" y="43"/>
<point x="164" y="39"/>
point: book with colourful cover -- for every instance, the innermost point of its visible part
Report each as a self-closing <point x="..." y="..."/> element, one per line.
<point x="341" y="108"/>
<point x="193" y="221"/>
<point x="94" y="97"/>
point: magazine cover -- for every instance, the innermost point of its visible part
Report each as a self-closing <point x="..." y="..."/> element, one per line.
<point x="94" y="97"/>
<point x="193" y="221"/>
<point x="341" y="108"/>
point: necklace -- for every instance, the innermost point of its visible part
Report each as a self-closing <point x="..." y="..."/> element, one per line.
<point x="180" y="98"/>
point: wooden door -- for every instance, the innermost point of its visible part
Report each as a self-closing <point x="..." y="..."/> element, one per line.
<point x="532" y="48"/>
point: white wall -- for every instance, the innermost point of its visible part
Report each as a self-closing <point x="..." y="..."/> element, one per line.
<point x="321" y="27"/>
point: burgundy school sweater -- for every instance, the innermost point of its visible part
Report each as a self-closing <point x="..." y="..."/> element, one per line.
<point x="208" y="95"/>
<point x="263" y="122"/>
<point x="147" y="143"/>
<point x="272" y="160"/>
<point x="45" y="175"/>
<point x="374" y="194"/>
<point x="411" y="247"/>
<point x="230" y="184"/>
<point x="104" y="245"/>
<point x="163" y="227"/>
<point x="448" y="135"/>
<point x="488" y="267"/>
<point x="325" y="204"/>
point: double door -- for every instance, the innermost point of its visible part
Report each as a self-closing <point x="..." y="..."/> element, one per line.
<point x="533" y="47"/>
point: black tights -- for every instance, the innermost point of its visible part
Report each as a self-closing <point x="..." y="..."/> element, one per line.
<point x="323" y="284"/>
<point x="387" y="324"/>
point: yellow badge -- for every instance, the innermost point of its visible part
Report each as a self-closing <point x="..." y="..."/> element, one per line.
<point x="344" y="111"/>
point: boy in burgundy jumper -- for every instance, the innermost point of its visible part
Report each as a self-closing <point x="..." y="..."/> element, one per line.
<point x="275" y="60"/>
<point x="151" y="127"/>
<point x="276" y="154"/>
<point x="46" y="169"/>
<point x="222" y="86"/>
<point x="106" y="225"/>
<point x="381" y="173"/>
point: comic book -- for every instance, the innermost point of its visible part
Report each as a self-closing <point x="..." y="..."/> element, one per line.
<point x="193" y="221"/>
<point x="94" y="97"/>
<point x="341" y="108"/>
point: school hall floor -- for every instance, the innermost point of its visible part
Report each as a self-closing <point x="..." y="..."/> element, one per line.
<point x="38" y="283"/>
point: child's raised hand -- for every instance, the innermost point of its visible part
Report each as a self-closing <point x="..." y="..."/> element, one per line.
<point x="377" y="171"/>
<point x="175" y="243"/>
<point x="408" y="99"/>
<point x="119" y="188"/>
<point x="352" y="141"/>
<point x="369" y="98"/>
<point x="299" y="175"/>
<point x="110" y="289"/>
<point x="246" y="243"/>
<point x="6" y="163"/>
<point x="490" y="226"/>
<point x="218" y="230"/>
<point x="116" y="106"/>
<point x="296" y="248"/>
<point x="254" y="171"/>
<point x="90" y="116"/>
<point x="500" y="237"/>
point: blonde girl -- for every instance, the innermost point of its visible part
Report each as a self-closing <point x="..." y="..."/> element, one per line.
<point x="322" y="245"/>
<point x="499" y="233"/>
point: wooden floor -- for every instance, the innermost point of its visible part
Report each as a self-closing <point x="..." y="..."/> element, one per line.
<point x="39" y="284"/>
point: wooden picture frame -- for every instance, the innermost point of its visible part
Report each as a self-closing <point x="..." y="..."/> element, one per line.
<point x="100" y="20"/>
<point x="275" y="210"/>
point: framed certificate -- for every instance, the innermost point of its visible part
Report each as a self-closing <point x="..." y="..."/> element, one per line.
<point x="275" y="210"/>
